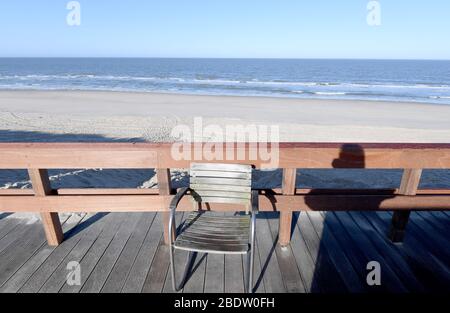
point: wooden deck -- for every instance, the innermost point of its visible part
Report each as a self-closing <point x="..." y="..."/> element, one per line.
<point x="329" y="252"/>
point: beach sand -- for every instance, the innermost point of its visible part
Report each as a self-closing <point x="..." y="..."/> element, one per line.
<point x="89" y="116"/>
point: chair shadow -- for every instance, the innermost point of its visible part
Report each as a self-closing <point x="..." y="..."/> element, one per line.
<point x="194" y="264"/>
<point x="264" y="266"/>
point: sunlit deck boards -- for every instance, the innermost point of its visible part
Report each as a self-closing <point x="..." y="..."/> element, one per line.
<point x="328" y="253"/>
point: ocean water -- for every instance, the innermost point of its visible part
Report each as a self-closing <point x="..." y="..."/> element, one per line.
<point x="392" y="80"/>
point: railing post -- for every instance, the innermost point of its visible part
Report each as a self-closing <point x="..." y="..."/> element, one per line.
<point x="408" y="187"/>
<point x="288" y="187"/>
<point x="165" y="188"/>
<point x="50" y="220"/>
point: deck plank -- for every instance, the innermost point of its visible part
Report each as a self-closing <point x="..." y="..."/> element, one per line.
<point x="22" y="249"/>
<point x="7" y="225"/>
<point x="434" y="221"/>
<point x="121" y="269"/>
<point x="154" y="282"/>
<point x="434" y="276"/>
<point x="15" y="235"/>
<point x="387" y="250"/>
<point x="391" y="282"/>
<point x="95" y="252"/>
<point x="302" y="257"/>
<point x="138" y="273"/>
<point x="196" y="280"/>
<point x="422" y="230"/>
<point x="89" y="223"/>
<point x="59" y="277"/>
<point x="337" y="256"/>
<point x="215" y="273"/>
<point x="325" y="276"/>
<point x="442" y="218"/>
<point x="234" y="273"/>
<point x="101" y="271"/>
<point x="428" y="224"/>
<point x="31" y="265"/>
<point x="270" y="271"/>
<point x="288" y="265"/>
<point x="16" y="254"/>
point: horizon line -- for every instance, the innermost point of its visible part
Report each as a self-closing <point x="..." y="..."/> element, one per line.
<point x="217" y="58"/>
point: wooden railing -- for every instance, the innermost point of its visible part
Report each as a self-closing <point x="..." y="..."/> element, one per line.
<point x="37" y="158"/>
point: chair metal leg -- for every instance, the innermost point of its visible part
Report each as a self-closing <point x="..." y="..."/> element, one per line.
<point x="251" y="256"/>
<point x="252" y="262"/>
<point x="249" y="272"/>
<point x="175" y="286"/>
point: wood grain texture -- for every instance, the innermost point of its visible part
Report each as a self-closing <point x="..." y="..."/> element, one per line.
<point x="160" y="155"/>
<point x="408" y="187"/>
<point x="159" y="203"/>
<point x="50" y="220"/>
<point x="155" y="191"/>
<point x="410" y="182"/>
<point x="165" y="188"/>
<point x="288" y="188"/>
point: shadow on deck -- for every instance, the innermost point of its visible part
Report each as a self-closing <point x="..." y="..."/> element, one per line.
<point x="329" y="252"/>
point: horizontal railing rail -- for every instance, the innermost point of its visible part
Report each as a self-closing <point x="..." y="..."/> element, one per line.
<point x="155" y="155"/>
<point x="37" y="158"/>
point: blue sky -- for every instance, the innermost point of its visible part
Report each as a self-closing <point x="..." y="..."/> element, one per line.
<point x="410" y="29"/>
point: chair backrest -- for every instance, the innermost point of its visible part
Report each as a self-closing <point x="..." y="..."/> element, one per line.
<point x="221" y="183"/>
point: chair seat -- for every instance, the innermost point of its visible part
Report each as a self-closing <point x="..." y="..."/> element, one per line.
<point x="206" y="232"/>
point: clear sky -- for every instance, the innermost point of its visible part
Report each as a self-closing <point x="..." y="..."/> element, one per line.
<point x="410" y="29"/>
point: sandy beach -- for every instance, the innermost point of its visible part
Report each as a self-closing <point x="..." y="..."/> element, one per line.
<point x="89" y="116"/>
